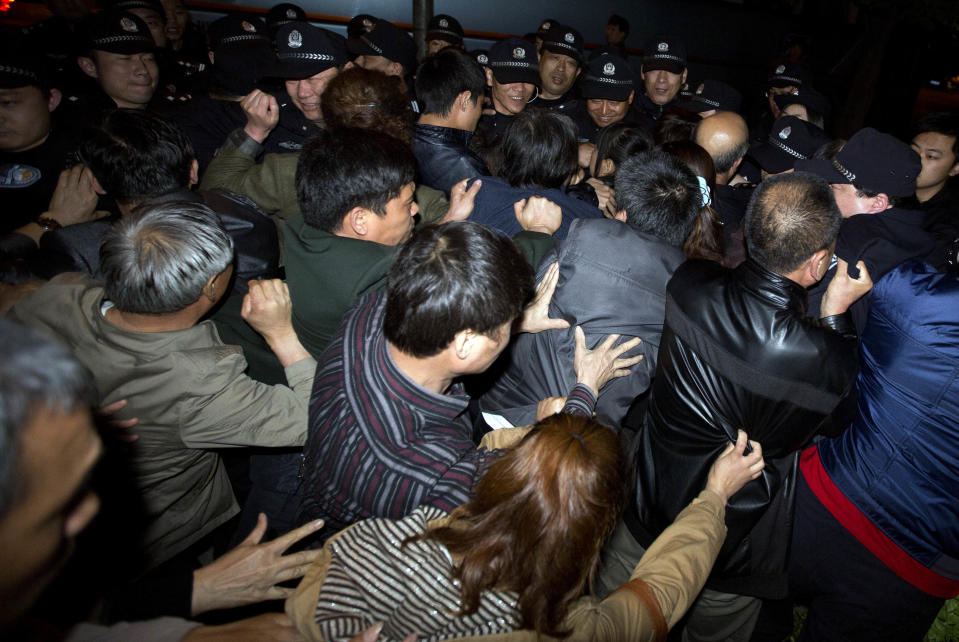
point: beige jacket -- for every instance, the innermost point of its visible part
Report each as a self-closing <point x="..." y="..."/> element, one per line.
<point x="190" y="394"/>
<point x="663" y="585"/>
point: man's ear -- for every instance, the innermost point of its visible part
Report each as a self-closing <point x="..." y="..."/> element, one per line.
<point x="54" y="101"/>
<point x="735" y="167"/>
<point x="489" y="77"/>
<point x="629" y="100"/>
<point x="878" y="203"/>
<point x="465" y="101"/>
<point x="356" y="221"/>
<point x="463" y="344"/>
<point x="87" y="66"/>
<point x="194" y="172"/>
<point x="816" y="266"/>
<point x="396" y="69"/>
<point x="955" y="169"/>
<point x="683" y="79"/>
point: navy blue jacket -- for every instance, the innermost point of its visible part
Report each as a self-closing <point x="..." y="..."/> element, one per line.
<point x="494" y="206"/>
<point x="897" y="463"/>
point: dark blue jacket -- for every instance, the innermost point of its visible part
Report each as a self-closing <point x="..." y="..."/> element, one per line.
<point x="898" y="461"/>
<point x="494" y="206"/>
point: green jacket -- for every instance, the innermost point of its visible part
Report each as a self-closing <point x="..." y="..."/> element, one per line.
<point x="272" y="183"/>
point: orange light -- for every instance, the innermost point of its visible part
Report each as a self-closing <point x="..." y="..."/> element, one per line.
<point x="5" y="5"/>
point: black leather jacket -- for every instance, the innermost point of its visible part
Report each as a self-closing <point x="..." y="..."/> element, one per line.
<point x="444" y="158"/>
<point x="738" y="352"/>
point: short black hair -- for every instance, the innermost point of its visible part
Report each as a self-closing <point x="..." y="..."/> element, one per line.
<point x="620" y="22"/>
<point x="538" y="149"/>
<point x="136" y="155"/>
<point x="945" y="123"/>
<point x="449" y="278"/>
<point x="343" y="168"/>
<point x="660" y="194"/>
<point x="444" y="76"/>
<point x="619" y="141"/>
<point x="789" y="218"/>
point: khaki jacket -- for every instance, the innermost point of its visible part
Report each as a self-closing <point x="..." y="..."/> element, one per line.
<point x="663" y="585"/>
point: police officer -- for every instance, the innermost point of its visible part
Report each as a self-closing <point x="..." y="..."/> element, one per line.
<point x="443" y="31"/>
<point x="560" y="64"/>
<point x="513" y="78"/>
<point x="608" y="96"/>
<point x="663" y="75"/>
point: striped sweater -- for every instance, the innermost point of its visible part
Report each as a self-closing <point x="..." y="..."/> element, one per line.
<point x="379" y="445"/>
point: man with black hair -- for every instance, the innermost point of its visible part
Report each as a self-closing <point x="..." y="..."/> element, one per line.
<point x="449" y="88"/>
<point x="737" y="351"/>
<point x="869" y="176"/>
<point x="389" y="429"/>
<point x="617" y="30"/>
<point x="612" y="278"/>
<point x="936" y="140"/>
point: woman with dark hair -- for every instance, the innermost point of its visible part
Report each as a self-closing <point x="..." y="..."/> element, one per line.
<point x="521" y="554"/>
<point x="614" y="144"/>
<point x="537" y="155"/>
<point x="705" y="241"/>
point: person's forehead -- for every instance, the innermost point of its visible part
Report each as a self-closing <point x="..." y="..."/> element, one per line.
<point x="934" y="141"/>
<point x="554" y="55"/>
<point x="20" y="92"/>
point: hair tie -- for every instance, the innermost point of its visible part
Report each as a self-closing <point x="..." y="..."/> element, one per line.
<point x="578" y="438"/>
<point x="704" y="189"/>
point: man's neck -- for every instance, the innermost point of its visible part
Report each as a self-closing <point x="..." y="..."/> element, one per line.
<point x="439" y="121"/>
<point x="923" y="194"/>
<point x="428" y="372"/>
<point x="545" y="95"/>
<point x="171" y="322"/>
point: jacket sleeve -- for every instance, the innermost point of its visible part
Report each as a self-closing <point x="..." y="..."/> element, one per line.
<point x="269" y="184"/>
<point x="227" y="408"/>
<point x="674" y="568"/>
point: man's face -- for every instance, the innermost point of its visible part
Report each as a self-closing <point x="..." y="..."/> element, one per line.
<point x="489" y="347"/>
<point x="849" y="202"/>
<point x="177" y="18"/>
<point x="129" y="79"/>
<point x="58" y="451"/>
<point x="511" y="99"/>
<point x="376" y="63"/>
<point x="25" y="117"/>
<point x="938" y="160"/>
<point x="396" y="225"/>
<point x="306" y="92"/>
<point x="606" y="112"/>
<point x="433" y="46"/>
<point x="557" y="73"/>
<point x="661" y="85"/>
<point x="156" y="22"/>
<point x="614" y="36"/>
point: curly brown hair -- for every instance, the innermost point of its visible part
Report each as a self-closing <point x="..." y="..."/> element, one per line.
<point x="538" y="519"/>
<point x="368" y="99"/>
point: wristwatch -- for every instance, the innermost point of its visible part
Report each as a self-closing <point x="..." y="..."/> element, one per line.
<point x="46" y="223"/>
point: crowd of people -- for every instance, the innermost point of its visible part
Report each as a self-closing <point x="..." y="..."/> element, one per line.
<point x="511" y="344"/>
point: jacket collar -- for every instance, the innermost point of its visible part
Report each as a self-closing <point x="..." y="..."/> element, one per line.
<point x="775" y="288"/>
<point x="446" y="135"/>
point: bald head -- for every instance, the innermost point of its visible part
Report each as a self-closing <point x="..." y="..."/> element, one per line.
<point x="726" y="137"/>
